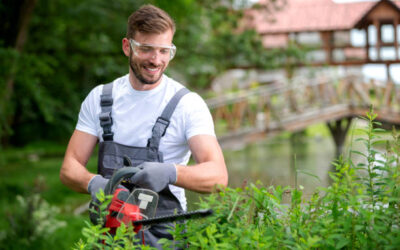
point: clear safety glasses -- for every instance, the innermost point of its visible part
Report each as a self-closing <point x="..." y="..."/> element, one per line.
<point x="150" y="50"/>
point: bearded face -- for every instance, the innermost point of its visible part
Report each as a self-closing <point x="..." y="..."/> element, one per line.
<point x="149" y="56"/>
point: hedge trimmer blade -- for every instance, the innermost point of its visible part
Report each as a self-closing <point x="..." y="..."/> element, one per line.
<point x="170" y="218"/>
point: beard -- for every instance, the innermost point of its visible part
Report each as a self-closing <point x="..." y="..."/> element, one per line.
<point x="136" y="71"/>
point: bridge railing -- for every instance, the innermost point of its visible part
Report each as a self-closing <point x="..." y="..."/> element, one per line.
<point x="280" y="105"/>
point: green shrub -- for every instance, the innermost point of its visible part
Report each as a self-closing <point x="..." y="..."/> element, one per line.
<point x="359" y="210"/>
<point x="31" y="223"/>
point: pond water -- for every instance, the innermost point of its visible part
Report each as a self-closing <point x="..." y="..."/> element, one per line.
<point x="272" y="161"/>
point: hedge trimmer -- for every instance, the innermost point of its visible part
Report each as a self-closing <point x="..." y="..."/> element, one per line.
<point x="138" y="207"/>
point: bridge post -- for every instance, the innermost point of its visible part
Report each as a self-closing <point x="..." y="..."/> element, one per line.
<point x="338" y="131"/>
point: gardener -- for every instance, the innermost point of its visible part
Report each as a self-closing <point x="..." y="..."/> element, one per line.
<point x="150" y="118"/>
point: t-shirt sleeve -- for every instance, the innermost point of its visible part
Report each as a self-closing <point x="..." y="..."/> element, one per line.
<point x="88" y="118"/>
<point x="198" y="117"/>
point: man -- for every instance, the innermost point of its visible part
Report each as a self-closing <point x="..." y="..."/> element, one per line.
<point x="150" y="118"/>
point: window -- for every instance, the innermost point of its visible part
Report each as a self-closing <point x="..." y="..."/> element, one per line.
<point x="387" y="33"/>
<point x="372" y="35"/>
<point x="358" y="38"/>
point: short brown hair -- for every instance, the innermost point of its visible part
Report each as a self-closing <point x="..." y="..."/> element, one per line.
<point x="149" y="19"/>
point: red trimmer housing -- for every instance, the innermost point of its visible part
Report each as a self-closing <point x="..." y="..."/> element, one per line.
<point x="129" y="211"/>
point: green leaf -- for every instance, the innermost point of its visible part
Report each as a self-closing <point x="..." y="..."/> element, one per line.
<point x="342" y="243"/>
<point x="308" y="173"/>
<point x="376" y="130"/>
<point x="361" y="140"/>
<point x="358" y="152"/>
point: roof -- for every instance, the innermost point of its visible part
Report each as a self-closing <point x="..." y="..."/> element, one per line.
<point x="310" y="15"/>
<point x="380" y="13"/>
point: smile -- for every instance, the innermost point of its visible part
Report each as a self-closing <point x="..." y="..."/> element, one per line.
<point x="152" y="70"/>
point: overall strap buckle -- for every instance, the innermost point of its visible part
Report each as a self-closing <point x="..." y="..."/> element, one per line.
<point x="162" y="123"/>
<point x="106" y="102"/>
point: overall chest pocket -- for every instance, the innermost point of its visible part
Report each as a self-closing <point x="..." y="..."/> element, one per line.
<point x="111" y="157"/>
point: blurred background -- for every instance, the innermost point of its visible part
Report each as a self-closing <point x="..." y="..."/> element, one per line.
<point x="284" y="80"/>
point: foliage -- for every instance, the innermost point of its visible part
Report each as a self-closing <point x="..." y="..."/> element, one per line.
<point x="33" y="170"/>
<point x="72" y="46"/>
<point x="359" y="210"/>
<point x="30" y="223"/>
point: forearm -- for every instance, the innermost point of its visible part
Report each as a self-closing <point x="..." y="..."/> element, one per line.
<point x="210" y="170"/>
<point x="205" y="177"/>
<point x="75" y="176"/>
<point x="73" y="171"/>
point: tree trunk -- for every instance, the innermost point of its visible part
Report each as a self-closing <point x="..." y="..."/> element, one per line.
<point x="24" y="18"/>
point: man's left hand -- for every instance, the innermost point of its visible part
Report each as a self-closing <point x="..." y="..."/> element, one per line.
<point x="155" y="175"/>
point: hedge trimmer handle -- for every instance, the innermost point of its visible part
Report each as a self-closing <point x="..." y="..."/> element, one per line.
<point x="125" y="172"/>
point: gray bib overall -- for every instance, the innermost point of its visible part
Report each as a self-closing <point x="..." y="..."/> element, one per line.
<point x="111" y="158"/>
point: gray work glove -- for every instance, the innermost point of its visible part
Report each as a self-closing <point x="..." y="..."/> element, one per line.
<point x="95" y="184"/>
<point x="155" y="175"/>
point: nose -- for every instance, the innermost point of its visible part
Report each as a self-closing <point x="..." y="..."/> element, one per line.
<point x="156" y="57"/>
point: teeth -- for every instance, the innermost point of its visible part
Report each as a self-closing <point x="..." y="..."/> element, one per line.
<point x="150" y="69"/>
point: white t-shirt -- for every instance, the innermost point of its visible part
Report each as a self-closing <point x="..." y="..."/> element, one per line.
<point x="134" y="114"/>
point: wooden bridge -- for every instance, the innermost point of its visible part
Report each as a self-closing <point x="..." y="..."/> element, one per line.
<point x="253" y="114"/>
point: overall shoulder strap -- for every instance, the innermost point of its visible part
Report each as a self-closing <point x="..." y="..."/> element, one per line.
<point x="106" y="102"/>
<point x="163" y="121"/>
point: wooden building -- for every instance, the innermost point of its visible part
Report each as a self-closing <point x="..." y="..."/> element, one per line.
<point x="355" y="33"/>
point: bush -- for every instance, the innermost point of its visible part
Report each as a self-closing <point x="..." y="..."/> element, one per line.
<point x="30" y="224"/>
<point x="360" y="210"/>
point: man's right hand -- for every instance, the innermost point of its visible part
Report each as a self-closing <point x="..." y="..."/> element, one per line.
<point x="95" y="184"/>
<point x="155" y="175"/>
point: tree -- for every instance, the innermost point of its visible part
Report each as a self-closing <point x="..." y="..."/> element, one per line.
<point x="15" y="26"/>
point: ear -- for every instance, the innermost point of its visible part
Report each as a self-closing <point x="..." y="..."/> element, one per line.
<point x="126" y="48"/>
